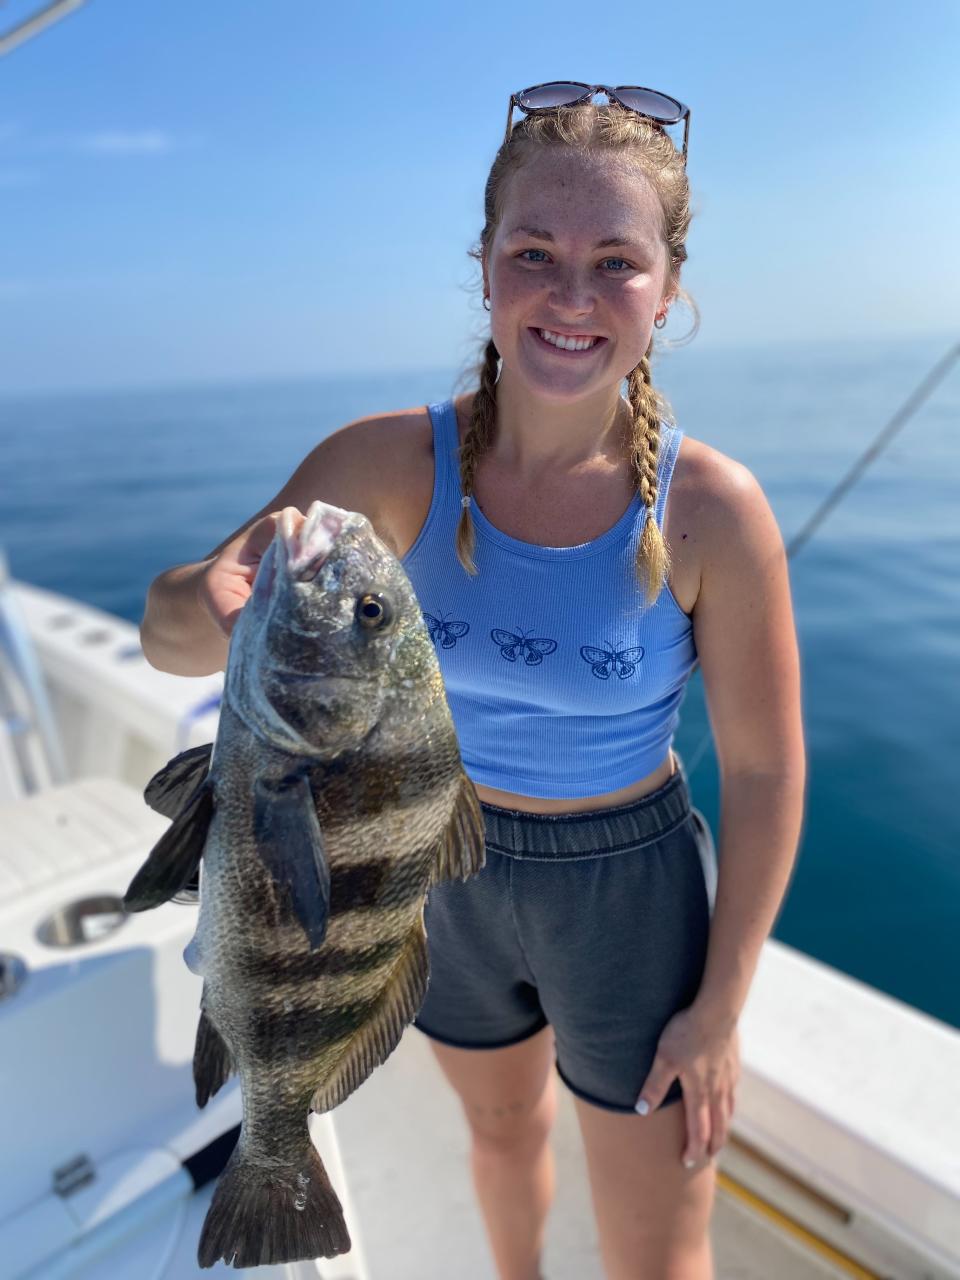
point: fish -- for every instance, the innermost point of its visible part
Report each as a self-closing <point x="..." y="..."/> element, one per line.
<point x="332" y="799"/>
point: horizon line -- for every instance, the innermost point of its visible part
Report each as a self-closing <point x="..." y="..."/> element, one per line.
<point x="214" y="381"/>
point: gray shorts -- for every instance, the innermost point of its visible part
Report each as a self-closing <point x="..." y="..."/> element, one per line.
<point x="594" y="922"/>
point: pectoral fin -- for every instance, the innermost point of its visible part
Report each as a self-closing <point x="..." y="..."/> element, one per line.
<point x="175" y="857"/>
<point x="170" y="789"/>
<point x="288" y="838"/>
<point x="462" y="850"/>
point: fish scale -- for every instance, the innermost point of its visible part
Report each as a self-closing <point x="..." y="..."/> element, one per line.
<point x="333" y="798"/>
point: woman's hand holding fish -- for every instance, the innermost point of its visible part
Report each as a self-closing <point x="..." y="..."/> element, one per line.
<point x="225" y="585"/>
<point x="705" y="1054"/>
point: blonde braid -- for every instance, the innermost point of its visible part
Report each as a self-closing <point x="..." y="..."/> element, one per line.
<point x="478" y="439"/>
<point x="653" y="554"/>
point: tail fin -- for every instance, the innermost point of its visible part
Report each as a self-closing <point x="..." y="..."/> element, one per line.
<point x="264" y="1214"/>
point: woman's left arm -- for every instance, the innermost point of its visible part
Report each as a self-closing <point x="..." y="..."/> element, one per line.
<point x="747" y="645"/>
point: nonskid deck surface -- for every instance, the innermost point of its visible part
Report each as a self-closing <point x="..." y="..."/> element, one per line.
<point x="405" y="1149"/>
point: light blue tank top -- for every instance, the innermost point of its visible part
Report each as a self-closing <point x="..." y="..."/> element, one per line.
<point x="560" y="681"/>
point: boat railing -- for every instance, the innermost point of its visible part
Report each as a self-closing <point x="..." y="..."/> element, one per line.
<point x="78" y="697"/>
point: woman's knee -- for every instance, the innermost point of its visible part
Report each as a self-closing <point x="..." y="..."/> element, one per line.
<point x="509" y="1095"/>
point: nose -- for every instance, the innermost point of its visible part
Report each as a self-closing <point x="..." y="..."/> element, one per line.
<point x="572" y="294"/>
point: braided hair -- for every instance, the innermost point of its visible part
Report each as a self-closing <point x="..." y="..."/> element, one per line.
<point x="590" y="127"/>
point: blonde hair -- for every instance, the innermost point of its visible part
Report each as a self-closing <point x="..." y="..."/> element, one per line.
<point x="590" y="128"/>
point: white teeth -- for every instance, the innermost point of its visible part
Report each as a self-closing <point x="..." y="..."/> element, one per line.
<point x="567" y="344"/>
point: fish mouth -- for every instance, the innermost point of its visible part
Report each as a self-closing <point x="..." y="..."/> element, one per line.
<point x="309" y="547"/>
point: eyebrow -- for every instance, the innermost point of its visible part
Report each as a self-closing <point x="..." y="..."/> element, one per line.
<point x="537" y="233"/>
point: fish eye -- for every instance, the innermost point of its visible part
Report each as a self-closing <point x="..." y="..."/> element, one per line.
<point x="374" y="611"/>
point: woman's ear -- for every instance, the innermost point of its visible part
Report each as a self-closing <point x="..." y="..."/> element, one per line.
<point x="666" y="302"/>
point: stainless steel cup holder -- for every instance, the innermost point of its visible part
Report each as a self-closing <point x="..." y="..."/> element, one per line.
<point x="82" y="922"/>
<point x="189" y="895"/>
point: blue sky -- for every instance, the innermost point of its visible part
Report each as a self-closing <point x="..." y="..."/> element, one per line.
<point x="212" y="191"/>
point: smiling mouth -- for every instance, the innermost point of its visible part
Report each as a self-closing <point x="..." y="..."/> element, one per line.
<point x="569" y="352"/>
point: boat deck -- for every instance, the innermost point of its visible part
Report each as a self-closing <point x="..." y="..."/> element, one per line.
<point x="842" y="1159"/>
<point x="405" y="1148"/>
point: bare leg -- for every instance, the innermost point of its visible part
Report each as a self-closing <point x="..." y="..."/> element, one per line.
<point x="652" y="1214"/>
<point x="515" y="1184"/>
<point x="509" y="1097"/>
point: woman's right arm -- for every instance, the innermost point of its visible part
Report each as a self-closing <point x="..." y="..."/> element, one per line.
<point x="191" y="609"/>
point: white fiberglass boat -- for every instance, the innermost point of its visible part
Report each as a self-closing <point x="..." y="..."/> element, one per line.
<point x="844" y="1156"/>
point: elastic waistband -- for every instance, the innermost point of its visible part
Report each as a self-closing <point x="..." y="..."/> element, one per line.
<point x="591" y="831"/>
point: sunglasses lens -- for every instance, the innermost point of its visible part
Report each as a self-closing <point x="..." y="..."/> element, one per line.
<point x="657" y="105"/>
<point x="556" y="94"/>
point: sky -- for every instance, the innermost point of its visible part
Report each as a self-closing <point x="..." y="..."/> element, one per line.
<point x="231" y="191"/>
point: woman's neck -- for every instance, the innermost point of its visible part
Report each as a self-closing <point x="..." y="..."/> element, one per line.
<point x="533" y="435"/>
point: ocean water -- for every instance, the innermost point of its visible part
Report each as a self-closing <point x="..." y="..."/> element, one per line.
<point x="100" y="492"/>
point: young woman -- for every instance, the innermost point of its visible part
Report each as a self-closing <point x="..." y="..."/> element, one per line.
<point x="569" y="601"/>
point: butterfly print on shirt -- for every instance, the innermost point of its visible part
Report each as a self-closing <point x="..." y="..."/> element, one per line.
<point x="448" y="633"/>
<point x="534" y="649"/>
<point x="603" y="661"/>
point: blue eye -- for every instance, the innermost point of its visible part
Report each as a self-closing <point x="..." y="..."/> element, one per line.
<point x="543" y="251"/>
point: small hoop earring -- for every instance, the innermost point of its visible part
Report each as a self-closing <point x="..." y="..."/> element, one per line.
<point x="485" y="302"/>
<point x="660" y="322"/>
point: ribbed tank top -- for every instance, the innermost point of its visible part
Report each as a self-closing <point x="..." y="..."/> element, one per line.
<point x="560" y="681"/>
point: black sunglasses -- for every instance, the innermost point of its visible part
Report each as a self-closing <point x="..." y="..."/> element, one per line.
<point x="649" y="103"/>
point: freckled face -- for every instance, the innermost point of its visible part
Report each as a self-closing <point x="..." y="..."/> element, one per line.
<point x="570" y="283"/>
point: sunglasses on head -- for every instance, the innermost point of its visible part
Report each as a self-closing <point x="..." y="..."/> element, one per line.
<point x="649" y="103"/>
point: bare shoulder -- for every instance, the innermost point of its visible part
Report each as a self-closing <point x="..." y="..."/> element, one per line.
<point x="711" y="483"/>
<point x="379" y="465"/>
<point x="382" y="465"/>
<point x="718" y="519"/>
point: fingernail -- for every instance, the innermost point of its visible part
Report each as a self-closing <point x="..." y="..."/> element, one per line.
<point x="688" y="1164"/>
<point x="643" y="1107"/>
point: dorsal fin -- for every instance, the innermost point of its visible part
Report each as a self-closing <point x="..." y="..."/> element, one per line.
<point x="462" y="850"/>
<point x="379" y="1035"/>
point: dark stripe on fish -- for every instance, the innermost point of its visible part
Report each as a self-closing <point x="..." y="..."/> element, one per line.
<point x="365" y="785"/>
<point x="303" y="967"/>
<point x="384" y="883"/>
<point x="278" y="1036"/>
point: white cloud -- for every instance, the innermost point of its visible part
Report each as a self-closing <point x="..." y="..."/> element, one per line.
<point x="146" y="142"/>
<point x="104" y="142"/>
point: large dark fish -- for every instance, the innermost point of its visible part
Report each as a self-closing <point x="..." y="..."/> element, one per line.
<point x="333" y="798"/>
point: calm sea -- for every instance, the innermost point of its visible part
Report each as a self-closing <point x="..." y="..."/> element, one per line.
<point x="101" y="492"/>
